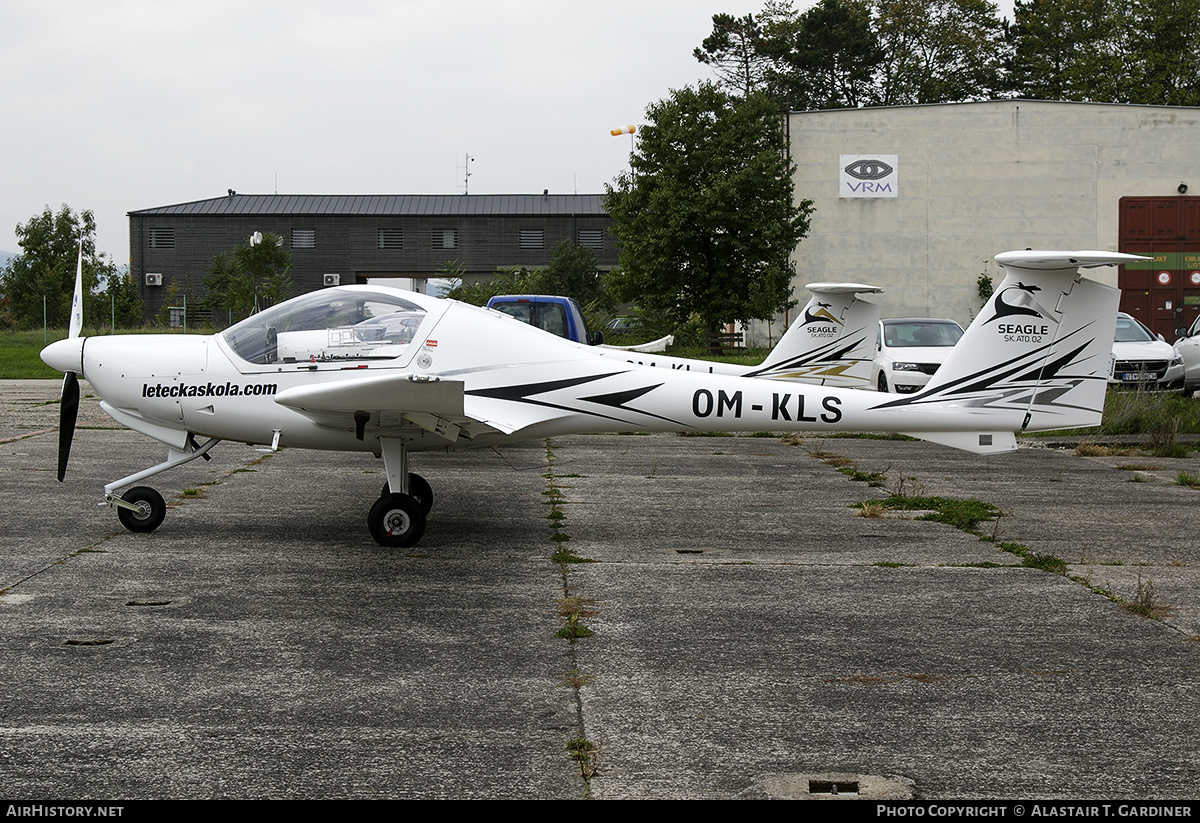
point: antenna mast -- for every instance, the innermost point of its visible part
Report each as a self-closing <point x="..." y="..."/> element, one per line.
<point x="466" y="166"/>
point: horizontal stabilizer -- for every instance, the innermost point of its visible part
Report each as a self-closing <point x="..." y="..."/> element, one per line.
<point x="996" y="442"/>
<point x="1035" y="260"/>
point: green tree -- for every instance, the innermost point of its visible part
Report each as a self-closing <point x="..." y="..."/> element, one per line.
<point x="1163" y="63"/>
<point x="830" y="58"/>
<point x="938" y="51"/>
<point x="117" y="302"/>
<point x="572" y="272"/>
<point x="705" y="216"/>
<point x="1067" y="51"/>
<point x="46" y="269"/>
<point x="734" y="50"/>
<point x="512" y="280"/>
<point x="251" y="277"/>
<point x="1107" y="51"/>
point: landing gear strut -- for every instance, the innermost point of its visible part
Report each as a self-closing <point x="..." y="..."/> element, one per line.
<point x="397" y="519"/>
<point x="142" y="509"/>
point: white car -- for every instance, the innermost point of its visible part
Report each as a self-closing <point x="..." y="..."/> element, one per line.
<point x="910" y="350"/>
<point x="1187" y="349"/>
<point x="1142" y="358"/>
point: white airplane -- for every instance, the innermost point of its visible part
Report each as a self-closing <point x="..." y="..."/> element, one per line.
<point x="831" y="343"/>
<point x="375" y="369"/>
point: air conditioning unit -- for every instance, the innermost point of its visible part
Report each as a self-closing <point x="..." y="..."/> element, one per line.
<point x="153" y="279"/>
<point x="333" y="280"/>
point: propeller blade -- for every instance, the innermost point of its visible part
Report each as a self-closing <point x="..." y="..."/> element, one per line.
<point x="77" y="299"/>
<point x="67" y="412"/>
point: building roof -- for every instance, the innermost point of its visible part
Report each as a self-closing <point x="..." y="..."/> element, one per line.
<point x="409" y="205"/>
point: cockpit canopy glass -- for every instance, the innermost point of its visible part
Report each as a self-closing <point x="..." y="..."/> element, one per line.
<point x="328" y="325"/>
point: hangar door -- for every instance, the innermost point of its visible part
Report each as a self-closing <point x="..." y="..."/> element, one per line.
<point x="1163" y="293"/>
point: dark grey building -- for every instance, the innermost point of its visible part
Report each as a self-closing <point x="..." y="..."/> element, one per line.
<point x="349" y="238"/>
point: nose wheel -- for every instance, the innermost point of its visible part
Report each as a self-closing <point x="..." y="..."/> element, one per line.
<point x="143" y="511"/>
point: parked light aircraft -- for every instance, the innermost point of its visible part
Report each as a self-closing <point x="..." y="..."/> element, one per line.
<point x="831" y="343"/>
<point x="375" y="369"/>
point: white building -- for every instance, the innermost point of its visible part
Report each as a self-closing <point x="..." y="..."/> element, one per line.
<point x="969" y="180"/>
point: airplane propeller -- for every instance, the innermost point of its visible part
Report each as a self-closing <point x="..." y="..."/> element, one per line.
<point x="67" y="412"/>
<point x="68" y="409"/>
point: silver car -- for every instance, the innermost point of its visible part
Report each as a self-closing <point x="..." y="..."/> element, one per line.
<point x="1142" y="358"/>
<point x="1187" y="349"/>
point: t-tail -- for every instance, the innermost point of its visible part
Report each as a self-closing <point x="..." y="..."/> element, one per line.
<point x="1036" y="357"/>
<point x="831" y="343"/>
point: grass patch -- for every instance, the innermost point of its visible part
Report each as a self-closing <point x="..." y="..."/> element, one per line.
<point x="19" y="354"/>
<point x="1161" y="417"/>
<point x="872" y="509"/>
<point x="573" y="629"/>
<point x="1145" y="601"/>
<point x="962" y="514"/>
<point x="1192" y="481"/>
<point x="873" y="479"/>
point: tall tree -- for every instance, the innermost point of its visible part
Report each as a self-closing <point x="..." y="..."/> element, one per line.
<point x="705" y="216"/>
<point x="1068" y="51"/>
<point x="44" y="273"/>
<point x="250" y="277"/>
<point x="1107" y="51"/>
<point x="734" y="51"/>
<point x="1164" y="66"/>
<point x="831" y="57"/>
<point x="572" y="272"/>
<point x="938" y="51"/>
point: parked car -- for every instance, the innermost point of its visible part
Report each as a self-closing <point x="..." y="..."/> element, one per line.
<point x="910" y="350"/>
<point x="1142" y="358"/>
<point x="1187" y="349"/>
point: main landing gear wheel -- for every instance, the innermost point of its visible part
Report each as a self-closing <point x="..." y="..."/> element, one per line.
<point x="396" y="521"/>
<point x="419" y="489"/>
<point x="151" y="509"/>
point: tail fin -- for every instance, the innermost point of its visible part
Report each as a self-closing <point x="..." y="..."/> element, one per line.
<point x="1037" y="356"/>
<point x="832" y="342"/>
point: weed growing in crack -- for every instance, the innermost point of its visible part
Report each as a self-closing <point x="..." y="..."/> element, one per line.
<point x="1145" y="601"/>
<point x="1184" y="478"/>
<point x="573" y="629"/>
<point x="574" y="680"/>
<point x="586" y="754"/>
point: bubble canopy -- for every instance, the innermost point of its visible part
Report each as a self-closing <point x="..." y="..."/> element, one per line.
<point x="328" y="325"/>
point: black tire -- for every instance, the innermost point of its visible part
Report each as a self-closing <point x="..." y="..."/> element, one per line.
<point x="883" y="383"/>
<point x="396" y="521"/>
<point x="418" y="488"/>
<point x="152" y="509"/>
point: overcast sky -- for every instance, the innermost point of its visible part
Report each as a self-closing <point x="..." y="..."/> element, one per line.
<point x="122" y="105"/>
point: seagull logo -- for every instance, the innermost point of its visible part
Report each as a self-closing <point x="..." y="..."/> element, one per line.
<point x="1021" y="304"/>
<point x="820" y="314"/>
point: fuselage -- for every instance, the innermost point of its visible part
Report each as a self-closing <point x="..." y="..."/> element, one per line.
<point x="517" y="383"/>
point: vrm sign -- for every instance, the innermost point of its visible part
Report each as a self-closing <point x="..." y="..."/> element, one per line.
<point x="868" y="175"/>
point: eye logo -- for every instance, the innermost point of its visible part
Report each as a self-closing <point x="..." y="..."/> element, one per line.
<point x="869" y="169"/>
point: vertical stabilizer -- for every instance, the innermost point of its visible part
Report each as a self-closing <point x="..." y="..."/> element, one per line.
<point x="831" y="343"/>
<point x="1038" y="352"/>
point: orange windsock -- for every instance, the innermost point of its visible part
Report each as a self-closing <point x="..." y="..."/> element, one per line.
<point x="623" y="130"/>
